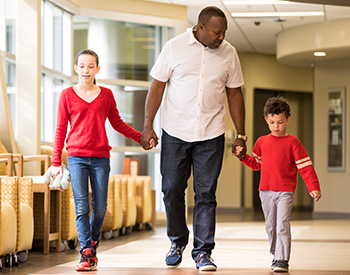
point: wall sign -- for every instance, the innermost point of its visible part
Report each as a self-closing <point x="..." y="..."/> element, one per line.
<point x="336" y="129"/>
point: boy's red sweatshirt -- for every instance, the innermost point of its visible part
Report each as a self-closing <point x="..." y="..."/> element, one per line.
<point x="279" y="159"/>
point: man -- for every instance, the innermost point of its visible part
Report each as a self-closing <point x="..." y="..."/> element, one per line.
<point x="196" y="67"/>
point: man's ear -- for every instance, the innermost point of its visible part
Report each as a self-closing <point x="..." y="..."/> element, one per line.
<point x="200" y="26"/>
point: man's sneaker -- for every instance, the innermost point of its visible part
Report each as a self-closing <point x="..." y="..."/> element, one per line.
<point x="88" y="261"/>
<point x="174" y="257"/>
<point x="273" y="264"/>
<point x="95" y="244"/>
<point x="205" y="263"/>
<point x="281" y="266"/>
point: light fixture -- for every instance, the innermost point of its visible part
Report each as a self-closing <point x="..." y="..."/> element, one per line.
<point x="257" y="2"/>
<point x="320" y="54"/>
<point x="276" y="14"/>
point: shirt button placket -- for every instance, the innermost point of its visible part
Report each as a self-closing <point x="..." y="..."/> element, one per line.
<point x="200" y="95"/>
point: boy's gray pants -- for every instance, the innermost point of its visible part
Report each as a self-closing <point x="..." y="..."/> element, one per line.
<point x="277" y="207"/>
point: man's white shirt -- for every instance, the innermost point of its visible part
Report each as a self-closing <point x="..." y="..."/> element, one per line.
<point x="196" y="76"/>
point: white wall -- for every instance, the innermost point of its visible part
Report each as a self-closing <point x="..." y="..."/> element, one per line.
<point x="335" y="185"/>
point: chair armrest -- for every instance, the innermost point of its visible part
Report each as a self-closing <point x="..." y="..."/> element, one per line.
<point x="8" y="159"/>
<point x="20" y="159"/>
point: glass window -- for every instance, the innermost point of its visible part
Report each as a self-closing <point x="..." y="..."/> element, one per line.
<point x="10" y="75"/>
<point x="131" y="49"/>
<point x="8" y="51"/>
<point x="51" y="88"/>
<point x="10" y="17"/>
<point x="56" y="63"/>
<point x="57" y="38"/>
<point x="47" y="38"/>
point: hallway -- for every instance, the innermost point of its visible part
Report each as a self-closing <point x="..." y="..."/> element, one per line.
<point x="319" y="247"/>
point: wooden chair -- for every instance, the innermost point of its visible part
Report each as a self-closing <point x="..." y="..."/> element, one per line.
<point x="25" y="217"/>
<point x="43" y="200"/>
<point x="143" y="196"/>
<point x="8" y="220"/>
<point x="18" y="192"/>
<point x="113" y="221"/>
<point x="69" y="234"/>
<point x="128" y="202"/>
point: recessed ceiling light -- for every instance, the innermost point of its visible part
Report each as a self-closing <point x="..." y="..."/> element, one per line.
<point x="320" y="54"/>
<point x="257" y="2"/>
<point x="276" y="14"/>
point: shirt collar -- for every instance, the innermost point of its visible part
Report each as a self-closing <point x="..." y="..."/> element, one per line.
<point x="191" y="38"/>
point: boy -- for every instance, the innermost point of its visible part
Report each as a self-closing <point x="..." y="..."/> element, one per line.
<point x="279" y="156"/>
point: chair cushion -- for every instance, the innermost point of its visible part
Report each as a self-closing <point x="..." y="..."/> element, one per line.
<point x="118" y="213"/>
<point x="26" y="232"/>
<point x="8" y="229"/>
<point x="147" y="209"/>
<point x="131" y="211"/>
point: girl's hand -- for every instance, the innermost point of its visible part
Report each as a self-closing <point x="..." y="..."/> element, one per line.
<point x="152" y="143"/>
<point x="148" y="139"/>
<point x="56" y="170"/>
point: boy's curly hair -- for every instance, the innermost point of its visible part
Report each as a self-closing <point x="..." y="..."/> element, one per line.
<point x="277" y="105"/>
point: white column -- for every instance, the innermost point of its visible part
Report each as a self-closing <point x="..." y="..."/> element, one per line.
<point x="28" y="71"/>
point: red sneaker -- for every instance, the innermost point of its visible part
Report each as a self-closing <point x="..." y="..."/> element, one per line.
<point x="88" y="261"/>
<point x="95" y="244"/>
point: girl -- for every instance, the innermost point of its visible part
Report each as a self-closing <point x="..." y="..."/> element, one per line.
<point x="86" y="107"/>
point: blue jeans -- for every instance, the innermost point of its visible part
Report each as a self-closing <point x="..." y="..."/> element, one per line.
<point x="177" y="159"/>
<point x="82" y="169"/>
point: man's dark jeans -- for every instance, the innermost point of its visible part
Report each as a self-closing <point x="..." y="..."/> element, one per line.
<point x="177" y="159"/>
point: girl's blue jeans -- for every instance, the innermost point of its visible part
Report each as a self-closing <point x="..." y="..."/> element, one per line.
<point x="93" y="170"/>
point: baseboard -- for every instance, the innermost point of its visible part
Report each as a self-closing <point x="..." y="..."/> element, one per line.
<point x="330" y="216"/>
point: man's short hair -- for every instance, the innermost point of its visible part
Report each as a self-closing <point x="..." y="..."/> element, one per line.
<point x="208" y="12"/>
<point x="277" y="105"/>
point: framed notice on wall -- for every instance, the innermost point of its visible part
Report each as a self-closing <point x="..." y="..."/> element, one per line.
<point x="336" y="129"/>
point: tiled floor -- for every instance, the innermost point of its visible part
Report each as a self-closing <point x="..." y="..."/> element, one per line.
<point x="318" y="247"/>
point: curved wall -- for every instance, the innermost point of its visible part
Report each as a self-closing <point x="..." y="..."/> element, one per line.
<point x="296" y="46"/>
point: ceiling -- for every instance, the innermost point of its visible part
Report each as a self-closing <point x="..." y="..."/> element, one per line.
<point x="258" y="35"/>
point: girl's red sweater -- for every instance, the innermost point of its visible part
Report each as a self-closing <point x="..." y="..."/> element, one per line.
<point x="87" y="135"/>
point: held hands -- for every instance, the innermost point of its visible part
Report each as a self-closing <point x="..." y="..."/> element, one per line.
<point x="239" y="148"/>
<point x="148" y="139"/>
<point x="316" y="194"/>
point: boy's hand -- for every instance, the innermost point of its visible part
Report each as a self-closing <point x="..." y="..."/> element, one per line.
<point x="316" y="194"/>
<point x="241" y="150"/>
<point x="237" y="151"/>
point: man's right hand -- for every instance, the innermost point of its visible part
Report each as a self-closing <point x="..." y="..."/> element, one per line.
<point x="148" y="139"/>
